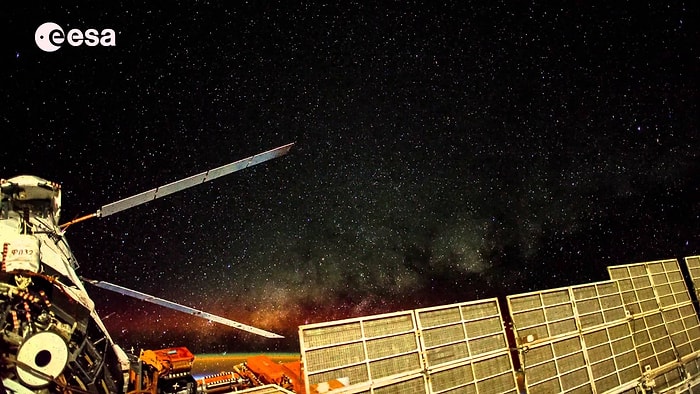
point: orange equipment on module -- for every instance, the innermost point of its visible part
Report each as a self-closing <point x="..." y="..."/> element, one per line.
<point x="170" y="371"/>
<point x="223" y="382"/>
<point x="163" y="371"/>
<point x="254" y="372"/>
<point x="169" y="361"/>
<point x="270" y="372"/>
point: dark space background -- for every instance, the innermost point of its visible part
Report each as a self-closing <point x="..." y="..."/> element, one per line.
<point x="444" y="153"/>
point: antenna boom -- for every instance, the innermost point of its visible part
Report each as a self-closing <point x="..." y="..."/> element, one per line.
<point x="191" y="181"/>
<point x="175" y="306"/>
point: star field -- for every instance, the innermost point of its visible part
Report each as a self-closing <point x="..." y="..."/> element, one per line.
<point x="444" y="153"/>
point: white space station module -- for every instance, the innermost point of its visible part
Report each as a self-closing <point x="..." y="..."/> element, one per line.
<point x="51" y="337"/>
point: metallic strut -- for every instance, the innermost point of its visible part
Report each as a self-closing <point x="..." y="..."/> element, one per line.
<point x="190" y="181"/>
<point x="181" y="308"/>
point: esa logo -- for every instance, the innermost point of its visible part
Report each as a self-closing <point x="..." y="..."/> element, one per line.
<point x="50" y="36"/>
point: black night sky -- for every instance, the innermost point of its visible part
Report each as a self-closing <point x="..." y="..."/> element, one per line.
<point x="444" y="153"/>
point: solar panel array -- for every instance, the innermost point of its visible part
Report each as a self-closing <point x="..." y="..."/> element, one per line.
<point x="637" y="331"/>
<point x="664" y="321"/>
<point x="466" y="348"/>
<point x="451" y="348"/>
<point x="693" y="264"/>
<point x="689" y="318"/>
<point x="363" y="350"/>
